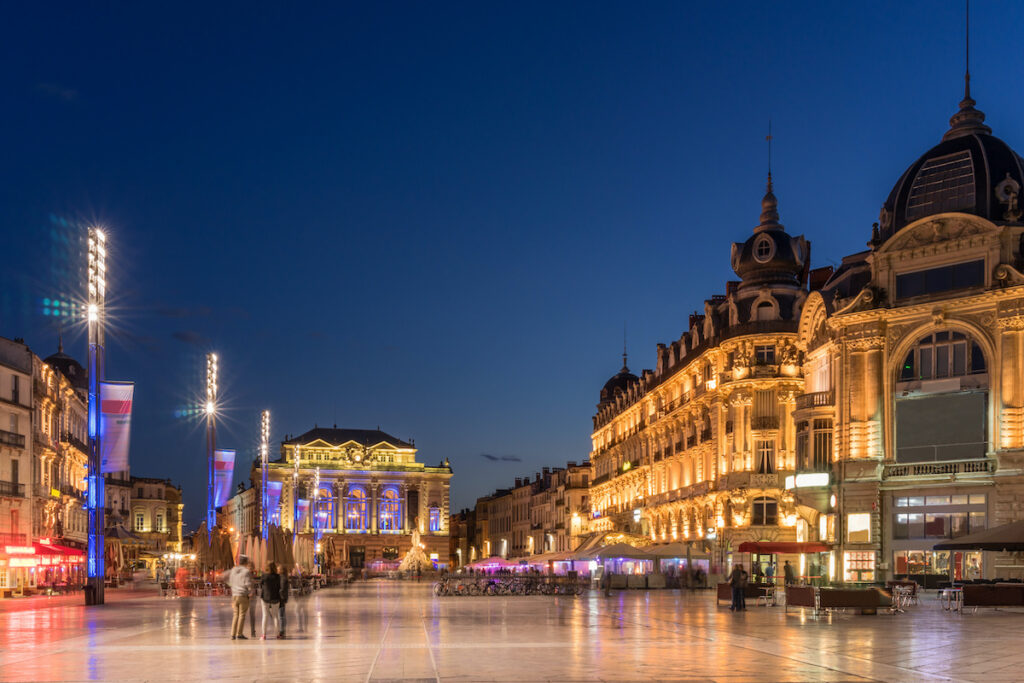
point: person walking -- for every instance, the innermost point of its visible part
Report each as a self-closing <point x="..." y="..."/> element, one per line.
<point x="270" y="588"/>
<point x="285" y="591"/>
<point x="738" y="581"/>
<point x="239" y="580"/>
<point x="789" y="574"/>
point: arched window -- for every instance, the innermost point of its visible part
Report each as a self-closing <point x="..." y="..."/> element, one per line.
<point x="390" y="510"/>
<point x="765" y="512"/>
<point x="943" y="354"/>
<point x="357" y="509"/>
<point x="327" y="509"/>
<point x="765" y="311"/>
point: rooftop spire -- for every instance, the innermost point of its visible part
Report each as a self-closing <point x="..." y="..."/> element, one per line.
<point x="769" y="204"/>
<point x="625" y="367"/>
<point x="968" y="120"/>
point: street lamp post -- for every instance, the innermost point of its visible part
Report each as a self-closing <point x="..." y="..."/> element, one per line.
<point x="97" y="285"/>
<point x="211" y="442"/>
<point x="295" y="495"/>
<point x="316" y="518"/>
<point x="264" y="464"/>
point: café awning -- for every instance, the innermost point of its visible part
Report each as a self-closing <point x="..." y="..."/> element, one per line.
<point x="783" y="547"/>
<point x="1004" y="537"/>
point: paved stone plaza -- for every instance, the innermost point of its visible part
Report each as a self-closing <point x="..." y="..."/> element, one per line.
<point x="388" y="631"/>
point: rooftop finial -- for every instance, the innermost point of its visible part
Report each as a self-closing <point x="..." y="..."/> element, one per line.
<point x="625" y="367"/>
<point x="967" y="49"/>
<point x="968" y="120"/>
<point x="60" y="339"/>
<point x="769" y="204"/>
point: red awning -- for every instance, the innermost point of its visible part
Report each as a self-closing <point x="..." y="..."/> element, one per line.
<point x="60" y="550"/>
<point x="783" y="547"/>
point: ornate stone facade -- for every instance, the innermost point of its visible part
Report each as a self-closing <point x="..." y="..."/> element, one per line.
<point x="372" y="493"/>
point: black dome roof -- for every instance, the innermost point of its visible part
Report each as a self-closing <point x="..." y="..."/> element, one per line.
<point x="771" y="255"/>
<point x="70" y="368"/>
<point x="958" y="174"/>
<point x="619" y="382"/>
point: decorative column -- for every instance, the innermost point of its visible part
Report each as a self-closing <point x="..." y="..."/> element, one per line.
<point x="374" y="506"/>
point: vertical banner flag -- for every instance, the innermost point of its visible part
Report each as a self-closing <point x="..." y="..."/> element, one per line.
<point x="223" y="472"/>
<point x="274" y="498"/>
<point x="115" y="424"/>
<point x="303" y="511"/>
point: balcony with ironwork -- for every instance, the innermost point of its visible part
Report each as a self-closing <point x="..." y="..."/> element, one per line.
<point x="764" y="422"/>
<point x="72" y="440"/>
<point x="972" y="467"/>
<point x="12" y="439"/>
<point x="816" y="399"/>
<point x="11" y="489"/>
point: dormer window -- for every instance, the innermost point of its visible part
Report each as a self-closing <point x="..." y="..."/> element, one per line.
<point x="764" y="249"/>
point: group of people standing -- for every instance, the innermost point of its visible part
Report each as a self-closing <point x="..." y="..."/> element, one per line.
<point x="274" y="590"/>
<point x="739" y="579"/>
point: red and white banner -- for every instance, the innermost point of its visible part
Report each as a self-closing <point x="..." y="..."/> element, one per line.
<point x="223" y="472"/>
<point x="115" y="424"/>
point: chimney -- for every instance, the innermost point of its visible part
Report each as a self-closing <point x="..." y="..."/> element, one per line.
<point x="519" y="482"/>
<point x="572" y="463"/>
<point x="546" y="470"/>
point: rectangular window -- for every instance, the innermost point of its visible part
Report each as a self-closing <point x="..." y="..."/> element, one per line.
<point x="14" y="423"/>
<point x="858" y="527"/>
<point x="764" y="355"/>
<point x="435" y="519"/>
<point x="942" y="279"/>
<point x="959" y="500"/>
<point x="15" y="474"/>
<point x="935" y="526"/>
<point x="978" y="499"/>
<point x="958" y="524"/>
<point x="140" y="521"/>
<point x="937" y="500"/>
<point x="765" y="457"/>
<point x="822" y="444"/>
<point x="158" y="523"/>
<point x="978" y="521"/>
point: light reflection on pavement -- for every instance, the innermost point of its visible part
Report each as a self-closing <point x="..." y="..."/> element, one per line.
<point x="394" y="631"/>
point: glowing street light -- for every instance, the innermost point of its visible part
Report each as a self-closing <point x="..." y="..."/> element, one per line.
<point x="264" y="464"/>
<point x="211" y="441"/>
<point x="295" y="495"/>
<point x="95" y="501"/>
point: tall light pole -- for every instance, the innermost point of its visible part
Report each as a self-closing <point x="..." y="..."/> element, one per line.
<point x="211" y="441"/>
<point x="295" y="494"/>
<point x="264" y="464"/>
<point x="316" y="516"/>
<point x="95" y="502"/>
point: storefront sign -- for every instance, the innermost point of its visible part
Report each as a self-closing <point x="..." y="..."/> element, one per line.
<point x="807" y="480"/>
<point x="19" y="550"/>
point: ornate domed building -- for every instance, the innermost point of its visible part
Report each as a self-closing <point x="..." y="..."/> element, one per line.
<point x="699" y="448"/>
<point x="845" y="420"/>
<point x="913" y="359"/>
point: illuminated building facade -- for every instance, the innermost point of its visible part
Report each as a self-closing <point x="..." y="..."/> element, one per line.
<point x="915" y="363"/>
<point x="546" y="514"/>
<point x="871" y="412"/>
<point x="156" y="512"/>
<point x="372" y="493"/>
<point x="700" y="447"/>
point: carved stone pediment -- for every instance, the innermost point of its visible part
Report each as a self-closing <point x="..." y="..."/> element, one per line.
<point x="933" y="231"/>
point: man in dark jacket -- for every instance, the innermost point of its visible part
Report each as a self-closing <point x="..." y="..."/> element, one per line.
<point x="285" y="590"/>
<point x="738" y="581"/>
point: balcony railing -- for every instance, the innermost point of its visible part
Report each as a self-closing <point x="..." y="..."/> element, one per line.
<point x="767" y="422"/>
<point x="13" y="539"/>
<point x="816" y="399"/>
<point x="12" y="439"/>
<point x="70" y="438"/>
<point x="9" y="488"/>
<point x="925" y="469"/>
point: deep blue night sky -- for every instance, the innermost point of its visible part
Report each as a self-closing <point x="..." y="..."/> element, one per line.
<point x="437" y="219"/>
